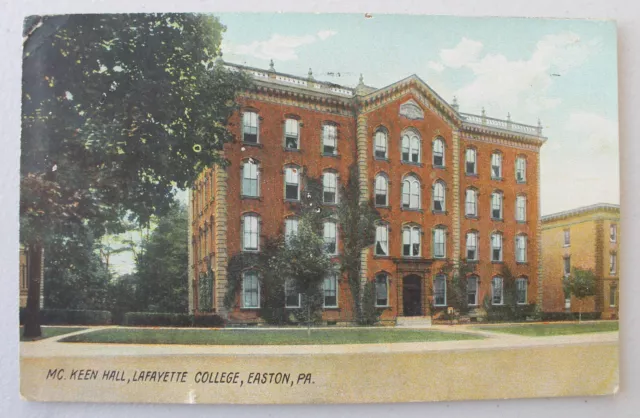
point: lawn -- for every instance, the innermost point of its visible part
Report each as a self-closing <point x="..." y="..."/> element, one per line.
<point x="546" y="330"/>
<point x="48" y="332"/>
<point x="264" y="337"/>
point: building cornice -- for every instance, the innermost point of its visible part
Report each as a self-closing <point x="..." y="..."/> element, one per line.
<point x="598" y="207"/>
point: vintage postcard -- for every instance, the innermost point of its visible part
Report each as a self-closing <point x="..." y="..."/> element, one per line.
<point x="318" y="208"/>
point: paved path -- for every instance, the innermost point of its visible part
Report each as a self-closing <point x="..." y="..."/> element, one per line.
<point x="51" y="347"/>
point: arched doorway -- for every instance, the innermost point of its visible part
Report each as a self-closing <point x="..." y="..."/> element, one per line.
<point x="412" y="295"/>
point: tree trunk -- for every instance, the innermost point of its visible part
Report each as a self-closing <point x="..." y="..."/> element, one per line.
<point x="32" y="311"/>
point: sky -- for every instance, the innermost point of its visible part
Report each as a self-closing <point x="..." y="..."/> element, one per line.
<point x="563" y="72"/>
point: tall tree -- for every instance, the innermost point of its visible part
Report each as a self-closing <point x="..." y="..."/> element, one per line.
<point x="117" y="111"/>
<point x="581" y="284"/>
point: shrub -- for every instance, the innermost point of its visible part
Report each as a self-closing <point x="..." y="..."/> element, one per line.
<point x="71" y="317"/>
<point x="157" y="319"/>
<point x="570" y="316"/>
<point x="208" y="321"/>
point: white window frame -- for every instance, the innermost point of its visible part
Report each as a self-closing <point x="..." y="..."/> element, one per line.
<point x="443" y="279"/>
<point x="329" y="135"/>
<point x="613" y="232"/>
<point x="334" y="278"/>
<point x="442" y="233"/>
<point x="326" y="237"/>
<point x="411" y="143"/>
<point x="475" y="280"/>
<point x="244" y="289"/>
<point x="246" y="221"/>
<point x="287" y="291"/>
<point x="521" y="248"/>
<point x="412" y="232"/>
<point x="382" y="236"/>
<point x="471" y="152"/>
<point x="519" y="282"/>
<point x="472" y="236"/>
<point x="521" y="208"/>
<point x="494" y="280"/>
<point x="564" y="266"/>
<point x="385" y="276"/>
<point x="291" y="131"/>
<point x="613" y="293"/>
<point x="381" y="183"/>
<point x="439" y="194"/>
<point x="497" y="201"/>
<point x="613" y="263"/>
<point x="496" y="238"/>
<point x="330" y="185"/>
<point x="381" y="143"/>
<point x="411" y="193"/>
<point x="248" y="117"/>
<point x="521" y="167"/>
<point x="496" y="161"/>
<point x="471" y="203"/>
<point x="295" y="175"/>
<point x="247" y="166"/>
<point x="566" y="237"/>
<point x="290" y="228"/>
<point x="438" y="150"/>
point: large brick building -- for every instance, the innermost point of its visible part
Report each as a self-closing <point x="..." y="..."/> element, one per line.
<point x="587" y="237"/>
<point x="449" y="186"/>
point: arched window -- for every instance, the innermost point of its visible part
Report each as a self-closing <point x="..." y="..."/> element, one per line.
<point x="411" y="241"/>
<point x="292" y="183"/>
<point x="250" y="127"/>
<point x="439" y="204"/>
<point x="250" y="181"/>
<point x="382" y="190"/>
<point x="250" y="232"/>
<point x="497" y="291"/>
<point x="438" y="152"/>
<point x="521" y="170"/>
<point x="439" y="242"/>
<point x="470" y="162"/>
<point x="496" y="166"/>
<point x="521" y="248"/>
<point x="471" y="202"/>
<point x="410" y="147"/>
<point x="496" y="205"/>
<point x="521" y="208"/>
<point x="521" y="290"/>
<point x="330" y="187"/>
<point x="496" y="246"/>
<point x="291" y="134"/>
<point x="250" y="289"/>
<point x="382" y="240"/>
<point x="472" y="290"/>
<point x="472" y="246"/>
<point x="331" y="237"/>
<point x="411" y="192"/>
<point x="382" y="290"/>
<point x="329" y="139"/>
<point x="380" y="145"/>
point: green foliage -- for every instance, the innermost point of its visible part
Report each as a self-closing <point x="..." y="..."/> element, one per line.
<point x="71" y="317"/>
<point x="121" y="297"/>
<point x="457" y="296"/>
<point x="509" y="310"/>
<point x="205" y="291"/>
<point x="369" y="314"/>
<point x="581" y="284"/>
<point x="169" y="319"/>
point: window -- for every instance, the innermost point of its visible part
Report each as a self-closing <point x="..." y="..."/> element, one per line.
<point x="613" y="233"/>
<point x="521" y="170"/>
<point x="380" y="145"/>
<point x="411" y="193"/>
<point x="438" y="153"/>
<point x="496" y="246"/>
<point x="291" y="134"/>
<point x="567" y="265"/>
<point x="496" y="166"/>
<point x="439" y="240"/>
<point x="250" y="178"/>
<point x="330" y="290"/>
<point x="382" y="290"/>
<point x="496" y="291"/>
<point x="331" y="237"/>
<point x="521" y="248"/>
<point x="290" y="228"/>
<point x="291" y="183"/>
<point x="250" y="127"/>
<point x="470" y="159"/>
<point x="440" y="290"/>
<point x="329" y="139"/>
<point x="613" y="259"/>
<point x="411" y="241"/>
<point x="472" y="246"/>
<point x="330" y="188"/>
<point x="472" y="290"/>
<point x="496" y="205"/>
<point x="613" y="290"/>
<point x="521" y="291"/>
<point x="410" y="148"/>
<point x="567" y="237"/>
<point x="250" y="290"/>
<point x="291" y="295"/>
<point x="382" y="240"/>
<point x="250" y="233"/>
<point x="439" y="197"/>
<point x="381" y="189"/>
<point x="521" y="208"/>
<point x="471" y="203"/>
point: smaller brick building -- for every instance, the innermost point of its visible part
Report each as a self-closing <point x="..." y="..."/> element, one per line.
<point x="589" y="238"/>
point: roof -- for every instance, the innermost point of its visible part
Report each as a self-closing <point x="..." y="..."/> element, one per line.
<point x="598" y="207"/>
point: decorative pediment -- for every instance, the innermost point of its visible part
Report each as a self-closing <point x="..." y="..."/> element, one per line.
<point x="411" y="110"/>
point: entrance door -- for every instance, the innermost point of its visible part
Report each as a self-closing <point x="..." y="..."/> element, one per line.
<point x="412" y="295"/>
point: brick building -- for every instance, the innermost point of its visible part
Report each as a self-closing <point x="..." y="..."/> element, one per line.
<point x="449" y="186"/>
<point x="587" y="237"/>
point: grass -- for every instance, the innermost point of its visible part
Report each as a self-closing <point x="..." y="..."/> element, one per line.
<point x="48" y="332"/>
<point x="264" y="337"/>
<point x="547" y="330"/>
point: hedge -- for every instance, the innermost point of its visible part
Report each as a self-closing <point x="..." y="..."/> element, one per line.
<point x="570" y="316"/>
<point x="167" y="319"/>
<point x="70" y="317"/>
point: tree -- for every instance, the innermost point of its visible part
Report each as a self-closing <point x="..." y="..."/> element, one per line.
<point x="457" y="286"/>
<point x="117" y="112"/>
<point x="581" y="283"/>
<point x="161" y="284"/>
<point x="358" y="225"/>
